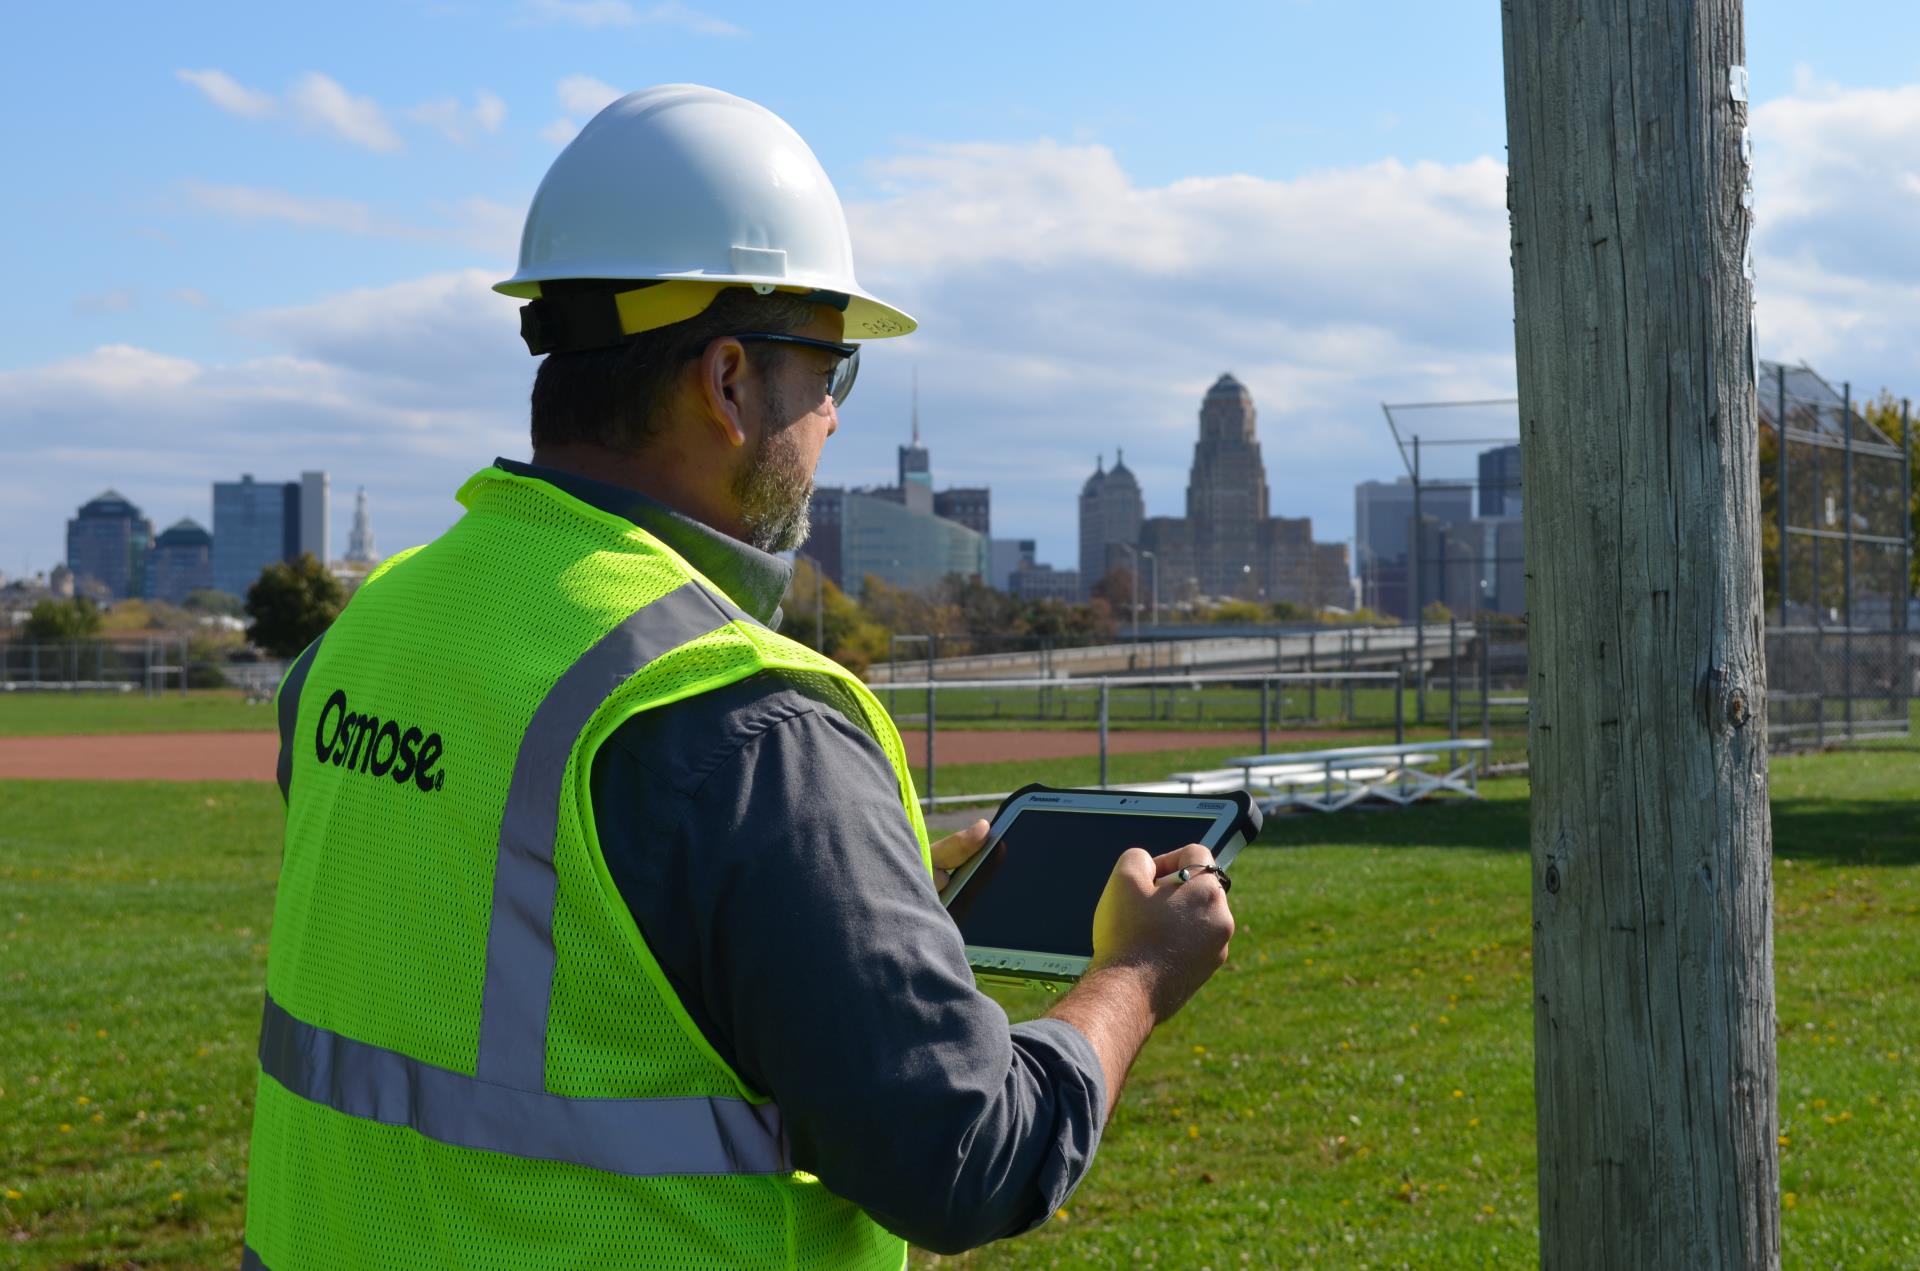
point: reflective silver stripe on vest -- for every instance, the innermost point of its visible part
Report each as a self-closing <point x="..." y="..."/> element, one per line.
<point x="637" y="1137"/>
<point x="289" y="713"/>
<point x="520" y="957"/>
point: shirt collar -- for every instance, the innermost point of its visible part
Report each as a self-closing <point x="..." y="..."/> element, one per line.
<point x="753" y="579"/>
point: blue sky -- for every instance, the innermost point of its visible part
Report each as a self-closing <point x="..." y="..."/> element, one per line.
<point x="257" y="238"/>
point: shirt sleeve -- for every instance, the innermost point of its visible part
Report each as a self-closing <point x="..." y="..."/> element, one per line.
<point x="812" y="950"/>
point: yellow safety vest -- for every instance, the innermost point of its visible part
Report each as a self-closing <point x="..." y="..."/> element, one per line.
<point x="469" y="1058"/>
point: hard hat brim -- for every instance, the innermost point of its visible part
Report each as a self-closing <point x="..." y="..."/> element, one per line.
<point x="867" y="317"/>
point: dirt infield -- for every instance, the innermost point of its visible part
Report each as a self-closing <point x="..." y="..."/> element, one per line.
<point x="250" y="756"/>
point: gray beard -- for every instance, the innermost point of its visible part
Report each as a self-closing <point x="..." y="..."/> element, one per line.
<point x="775" y="489"/>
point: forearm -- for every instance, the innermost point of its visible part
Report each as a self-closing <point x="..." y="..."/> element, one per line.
<point x="1113" y="1009"/>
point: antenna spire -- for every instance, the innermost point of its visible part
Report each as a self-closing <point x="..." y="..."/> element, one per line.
<point x="916" y="404"/>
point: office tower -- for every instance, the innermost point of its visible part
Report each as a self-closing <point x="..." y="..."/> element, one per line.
<point x="1500" y="481"/>
<point x="1006" y="556"/>
<point x="857" y="534"/>
<point x="256" y="523"/>
<point x="316" y="518"/>
<point x="1111" y="511"/>
<point x="107" y="544"/>
<point x="181" y="562"/>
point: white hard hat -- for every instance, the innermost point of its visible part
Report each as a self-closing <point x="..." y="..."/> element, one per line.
<point x="686" y="190"/>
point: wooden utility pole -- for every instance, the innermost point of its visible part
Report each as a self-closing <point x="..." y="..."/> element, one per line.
<point x="1652" y="947"/>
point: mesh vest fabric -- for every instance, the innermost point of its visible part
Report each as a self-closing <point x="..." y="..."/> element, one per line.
<point x="382" y="919"/>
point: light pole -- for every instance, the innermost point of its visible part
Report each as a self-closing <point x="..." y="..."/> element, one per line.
<point x="1133" y="585"/>
<point x="1155" y="587"/>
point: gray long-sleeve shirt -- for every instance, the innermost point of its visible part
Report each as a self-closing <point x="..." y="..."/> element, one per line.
<point x="757" y="836"/>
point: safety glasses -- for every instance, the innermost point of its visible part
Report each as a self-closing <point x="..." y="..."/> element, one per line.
<point x="839" y="379"/>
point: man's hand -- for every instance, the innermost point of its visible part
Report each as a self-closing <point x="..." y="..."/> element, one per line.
<point x="1155" y="941"/>
<point x="1174" y="933"/>
<point x="955" y="850"/>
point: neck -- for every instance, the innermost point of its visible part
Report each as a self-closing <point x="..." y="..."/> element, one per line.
<point x="662" y="472"/>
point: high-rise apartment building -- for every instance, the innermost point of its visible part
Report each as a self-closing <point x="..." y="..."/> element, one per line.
<point x="107" y="544"/>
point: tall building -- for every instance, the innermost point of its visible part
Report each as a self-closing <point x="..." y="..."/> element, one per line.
<point x="1227" y="546"/>
<point x="1111" y="511"/>
<point x="857" y="534"/>
<point x="107" y="543"/>
<point x="1005" y="557"/>
<point x="1500" y="481"/>
<point x="181" y="562"/>
<point x="1227" y="492"/>
<point x="360" y="549"/>
<point x="1382" y="526"/>
<point x="971" y="506"/>
<point x="257" y="523"/>
<point x="316" y="517"/>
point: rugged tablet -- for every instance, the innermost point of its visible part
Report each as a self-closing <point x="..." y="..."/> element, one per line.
<point x="1025" y="903"/>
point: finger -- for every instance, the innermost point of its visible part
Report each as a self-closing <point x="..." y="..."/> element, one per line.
<point x="1136" y="867"/>
<point x="958" y="848"/>
<point x="1192" y="856"/>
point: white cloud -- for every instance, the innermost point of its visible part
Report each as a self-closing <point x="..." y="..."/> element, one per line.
<point x="250" y="203"/>
<point x="604" y="13"/>
<point x="489" y="111"/>
<point x="230" y="95"/>
<point x="457" y="122"/>
<point x="578" y="95"/>
<point x="1064" y="306"/>
<point x="585" y="95"/>
<point x="314" y="101"/>
<point x="405" y="389"/>
<point x="1836" y="202"/>
<point x="321" y="102"/>
<point x="483" y="224"/>
<point x="673" y="13"/>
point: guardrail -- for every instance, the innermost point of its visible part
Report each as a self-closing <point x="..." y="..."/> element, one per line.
<point x="1104" y="686"/>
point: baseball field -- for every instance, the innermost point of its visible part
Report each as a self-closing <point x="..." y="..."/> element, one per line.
<point x="1353" y="1090"/>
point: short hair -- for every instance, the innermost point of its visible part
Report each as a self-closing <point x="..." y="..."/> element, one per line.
<point x="612" y="397"/>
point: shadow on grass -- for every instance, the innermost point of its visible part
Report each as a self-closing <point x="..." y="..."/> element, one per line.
<point x="1835" y="831"/>
<point x="1496" y="825"/>
<point x="1857" y="832"/>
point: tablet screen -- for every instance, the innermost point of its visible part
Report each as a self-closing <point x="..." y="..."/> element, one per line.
<point x="1039" y="885"/>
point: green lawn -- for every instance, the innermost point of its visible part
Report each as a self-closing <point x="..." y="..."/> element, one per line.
<point x="201" y="711"/>
<point x="1355" y="1088"/>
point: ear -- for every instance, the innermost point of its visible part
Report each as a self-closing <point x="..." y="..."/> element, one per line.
<point x="724" y="380"/>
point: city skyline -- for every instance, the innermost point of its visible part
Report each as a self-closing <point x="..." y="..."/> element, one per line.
<point x="276" y="253"/>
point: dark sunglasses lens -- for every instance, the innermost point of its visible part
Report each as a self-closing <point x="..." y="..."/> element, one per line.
<point x="843" y="377"/>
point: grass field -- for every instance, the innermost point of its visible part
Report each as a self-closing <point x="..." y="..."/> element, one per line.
<point x="79" y="714"/>
<point x="1354" y="1089"/>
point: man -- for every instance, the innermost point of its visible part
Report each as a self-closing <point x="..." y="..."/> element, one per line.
<point x="607" y="932"/>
